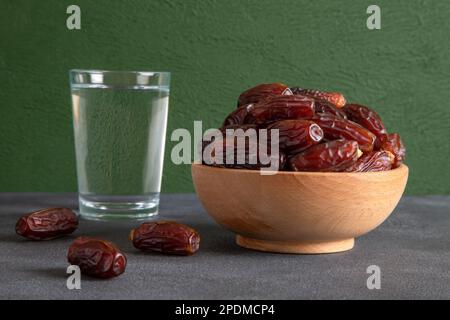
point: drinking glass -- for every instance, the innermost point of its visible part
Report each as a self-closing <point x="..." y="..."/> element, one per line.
<point x="119" y="120"/>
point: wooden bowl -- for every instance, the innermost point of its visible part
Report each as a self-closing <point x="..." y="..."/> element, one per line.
<point x="298" y="212"/>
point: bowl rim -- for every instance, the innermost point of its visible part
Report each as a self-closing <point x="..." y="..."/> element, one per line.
<point x="401" y="168"/>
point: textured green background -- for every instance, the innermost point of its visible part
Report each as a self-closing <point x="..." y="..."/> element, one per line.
<point x="215" y="49"/>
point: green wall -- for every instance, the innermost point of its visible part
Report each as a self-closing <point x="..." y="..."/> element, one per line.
<point x="215" y="49"/>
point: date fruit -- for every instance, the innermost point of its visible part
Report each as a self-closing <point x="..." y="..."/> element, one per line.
<point x="325" y="107"/>
<point x="366" y="117"/>
<point x="244" y="154"/>
<point x="393" y="143"/>
<point x="97" y="258"/>
<point x="335" y="155"/>
<point x="47" y="224"/>
<point x="373" y="161"/>
<point x="262" y="91"/>
<point x="335" y="98"/>
<point x="235" y="127"/>
<point x="238" y="116"/>
<point x="338" y="128"/>
<point x="166" y="237"/>
<point x="297" y="135"/>
<point x="308" y="123"/>
<point x="280" y="108"/>
<point x="232" y="129"/>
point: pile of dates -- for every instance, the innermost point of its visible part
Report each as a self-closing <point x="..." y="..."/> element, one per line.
<point x="101" y="258"/>
<point x="317" y="131"/>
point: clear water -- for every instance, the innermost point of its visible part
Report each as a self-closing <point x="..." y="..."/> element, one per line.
<point x="119" y="141"/>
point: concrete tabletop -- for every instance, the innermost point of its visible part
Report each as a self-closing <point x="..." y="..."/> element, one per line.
<point x="412" y="250"/>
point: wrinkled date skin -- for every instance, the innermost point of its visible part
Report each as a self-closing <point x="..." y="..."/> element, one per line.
<point x="393" y="143"/>
<point x="238" y="116"/>
<point x="262" y="91"/>
<point x="97" y="258"/>
<point x="280" y="108"/>
<point x="366" y="117"/>
<point x="372" y="162"/>
<point x="166" y="237"/>
<point x="338" y="128"/>
<point x="47" y="224"/>
<point x="335" y="156"/>
<point x="335" y="98"/>
<point x="317" y="131"/>
<point x="327" y="108"/>
<point x="240" y="155"/>
<point x="235" y="127"/>
<point x="232" y="129"/>
<point x="297" y="135"/>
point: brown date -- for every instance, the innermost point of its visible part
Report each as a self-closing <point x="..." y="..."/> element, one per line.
<point x="241" y="153"/>
<point x="238" y="115"/>
<point x="262" y="91"/>
<point x="234" y="127"/>
<point x="366" y="117"/>
<point x="338" y="128"/>
<point x="97" y="258"/>
<point x="297" y="135"/>
<point x="393" y="143"/>
<point x="237" y="129"/>
<point x="47" y="224"/>
<point x="231" y="129"/>
<point x="280" y="108"/>
<point x="166" y="237"/>
<point x="335" y="98"/>
<point x="335" y="155"/>
<point x="325" y="107"/>
<point x="373" y="161"/>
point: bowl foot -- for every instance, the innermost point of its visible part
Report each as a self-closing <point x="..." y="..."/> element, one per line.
<point x="295" y="247"/>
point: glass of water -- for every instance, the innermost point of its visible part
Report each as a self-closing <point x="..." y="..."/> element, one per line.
<point x="119" y="120"/>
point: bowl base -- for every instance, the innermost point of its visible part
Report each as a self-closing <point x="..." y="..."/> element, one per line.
<point x="295" y="247"/>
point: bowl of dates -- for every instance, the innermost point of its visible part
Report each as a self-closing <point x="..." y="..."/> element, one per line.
<point x="297" y="170"/>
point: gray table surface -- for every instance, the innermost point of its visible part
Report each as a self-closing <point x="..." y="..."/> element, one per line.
<point x="412" y="249"/>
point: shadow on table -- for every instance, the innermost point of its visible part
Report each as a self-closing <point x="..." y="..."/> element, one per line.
<point x="48" y="273"/>
<point x="14" y="238"/>
<point x="215" y="240"/>
<point x="54" y="273"/>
